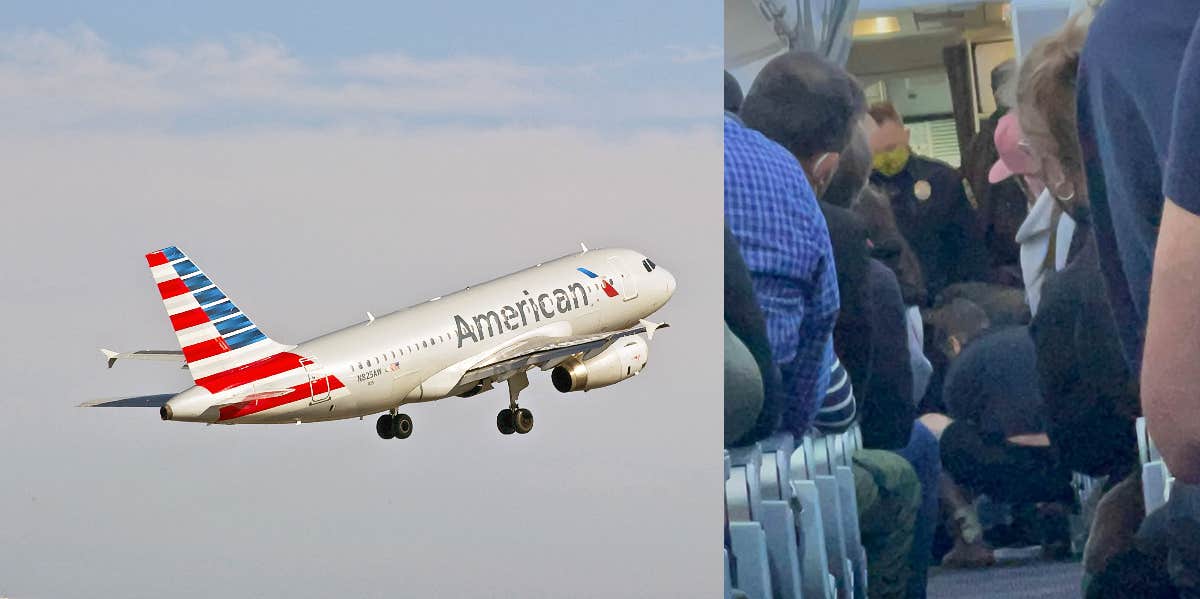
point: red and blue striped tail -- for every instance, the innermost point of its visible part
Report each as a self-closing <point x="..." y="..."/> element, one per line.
<point x="214" y="334"/>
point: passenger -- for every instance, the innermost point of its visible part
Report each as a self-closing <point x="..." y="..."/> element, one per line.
<point x="870" y="333"/>
<point x="874" y="349"/>
<point x="950" y="328"/>
<point x="1090" y="395"/>
<point x="772" y="212"/>
<point x="750" y="414"/>
<point x="1046" y="235"/>
<point x="1003" y="205"/>
<point x="994" y="440"/>
<point x="810" y="107"/>
<point x="1005" y="306"/>
<point x="889" y="245"/>
<point x="931" y="204"/>
<point x="743" y="389"/>
<point x="1137" y="125"/>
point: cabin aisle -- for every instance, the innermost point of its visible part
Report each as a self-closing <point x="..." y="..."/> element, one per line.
<point x="1027" y="580"/>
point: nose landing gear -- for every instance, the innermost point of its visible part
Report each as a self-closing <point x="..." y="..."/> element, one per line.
<point x="394" y="426"/>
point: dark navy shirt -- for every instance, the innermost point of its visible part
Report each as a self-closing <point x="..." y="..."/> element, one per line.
<point x="1126" y="93"/>
<point x="1181" y="182"/>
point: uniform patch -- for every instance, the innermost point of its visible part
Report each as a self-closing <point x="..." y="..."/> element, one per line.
<point x="922" y="190"/>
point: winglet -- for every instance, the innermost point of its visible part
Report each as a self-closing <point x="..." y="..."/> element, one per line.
<point x="583" y="247"/>
<point x="111" y="355"/>
<point x="651" y="327"/>
<point x="370" y="318"/>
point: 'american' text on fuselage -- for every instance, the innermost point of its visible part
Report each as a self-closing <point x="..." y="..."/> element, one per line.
<point x="514" y="316"/>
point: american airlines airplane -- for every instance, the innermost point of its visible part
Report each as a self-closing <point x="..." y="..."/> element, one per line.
<point x="583" y="316"/>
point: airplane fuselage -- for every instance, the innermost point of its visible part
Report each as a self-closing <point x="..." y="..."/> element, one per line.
<point x="420" y="353"/>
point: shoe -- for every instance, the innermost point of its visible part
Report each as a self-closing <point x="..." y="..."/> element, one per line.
<point x="969" y="550"/>
<point x="969" y="556"/>
<point x="1054" y="530"/>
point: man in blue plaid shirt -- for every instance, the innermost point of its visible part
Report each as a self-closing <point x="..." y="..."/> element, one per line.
<point x="772" y="211"/>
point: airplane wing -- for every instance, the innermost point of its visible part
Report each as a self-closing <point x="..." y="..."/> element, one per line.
<point x="547" y="354"/>
<point x="159" y="355"/>
<point x="140" y="401"/>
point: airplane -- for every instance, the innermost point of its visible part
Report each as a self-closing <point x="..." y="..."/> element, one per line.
<point x="582" y="316"/>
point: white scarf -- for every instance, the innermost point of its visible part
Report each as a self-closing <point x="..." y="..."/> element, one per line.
<point x="1034" y="238"/>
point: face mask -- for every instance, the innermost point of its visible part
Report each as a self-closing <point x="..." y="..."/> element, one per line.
<point x="890" y="163"/>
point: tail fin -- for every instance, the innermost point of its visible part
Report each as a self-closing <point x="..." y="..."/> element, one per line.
<point x="214" y="335"/>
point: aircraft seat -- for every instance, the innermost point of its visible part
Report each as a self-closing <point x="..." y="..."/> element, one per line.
<point x="1156" y="479"/>
<point x="743" y="504"/>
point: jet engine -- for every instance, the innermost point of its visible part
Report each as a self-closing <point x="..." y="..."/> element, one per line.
<point x="620" y="361"/>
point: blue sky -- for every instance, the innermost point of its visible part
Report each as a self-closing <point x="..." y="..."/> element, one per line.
<point x="204" y="66"/>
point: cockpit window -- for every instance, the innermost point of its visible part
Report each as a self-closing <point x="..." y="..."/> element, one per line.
<point x="646" y="265"/>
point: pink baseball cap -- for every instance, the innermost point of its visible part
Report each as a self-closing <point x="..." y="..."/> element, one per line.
<point x="1014" y="160"/>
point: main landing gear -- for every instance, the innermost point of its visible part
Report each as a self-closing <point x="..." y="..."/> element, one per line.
<point x="515" y="419"/>
<point x="394" y="426"/>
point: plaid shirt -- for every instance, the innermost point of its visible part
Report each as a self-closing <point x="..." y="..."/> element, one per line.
<point x="771" y="210"/>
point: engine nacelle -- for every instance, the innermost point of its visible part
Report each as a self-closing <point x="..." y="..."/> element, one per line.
<point x="622" y="360"/>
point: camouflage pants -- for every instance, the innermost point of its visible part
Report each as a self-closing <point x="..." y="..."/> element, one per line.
<point x="889" y="495"/>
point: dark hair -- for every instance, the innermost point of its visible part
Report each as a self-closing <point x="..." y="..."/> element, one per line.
<point x="804" y="103"/>
<point x="1001" y="74"/>
<point x="853" y="169"/>
<point x="733" y="94"/>
<point x="890" y="247"/>
<point x="883" y="112"/>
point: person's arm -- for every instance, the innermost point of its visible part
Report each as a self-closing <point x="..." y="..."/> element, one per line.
<point x="838" y="409"/>
<point x="1170" y="374"/>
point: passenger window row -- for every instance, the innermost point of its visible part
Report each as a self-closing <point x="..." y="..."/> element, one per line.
<point x="412" y="348"/>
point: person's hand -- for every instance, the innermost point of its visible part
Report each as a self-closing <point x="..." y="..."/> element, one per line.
<point x="936" y="423"/>
<point x="1030" y="440"/>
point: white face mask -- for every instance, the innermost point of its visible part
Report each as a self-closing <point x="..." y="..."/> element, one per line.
<point x="819" y="186"/>
<point x="817" y="164"/>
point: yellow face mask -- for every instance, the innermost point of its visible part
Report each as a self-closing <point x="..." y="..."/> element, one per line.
<point x="890" y="163"/>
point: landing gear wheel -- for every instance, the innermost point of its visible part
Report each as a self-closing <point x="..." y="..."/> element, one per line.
<point x="505" y="422"/>
<point x="383" y="426"/>
<point x="523" y="421"/>
<point x="402" y="426"/>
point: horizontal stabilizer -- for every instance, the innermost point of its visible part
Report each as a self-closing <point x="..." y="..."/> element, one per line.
<point x="158" y="355"/>
<point x="651" y="327"/>
<point x="140" y="401"/>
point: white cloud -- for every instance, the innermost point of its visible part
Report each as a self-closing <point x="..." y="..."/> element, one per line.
<point x="75" y="79"/>
<point x="684" y="54"/>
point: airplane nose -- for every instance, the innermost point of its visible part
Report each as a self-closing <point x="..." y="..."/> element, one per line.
<point x="670" y="283"/>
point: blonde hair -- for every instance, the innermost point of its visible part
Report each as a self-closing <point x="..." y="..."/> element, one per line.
<point x="1046" y="85"/>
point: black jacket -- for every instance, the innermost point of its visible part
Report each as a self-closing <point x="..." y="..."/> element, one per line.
<point x="870" y="335"/>
<point x="943" y="228"/>
<point x="1090" y="394"/>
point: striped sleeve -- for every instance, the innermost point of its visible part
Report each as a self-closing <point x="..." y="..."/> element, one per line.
<point x="838" y="410"/>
